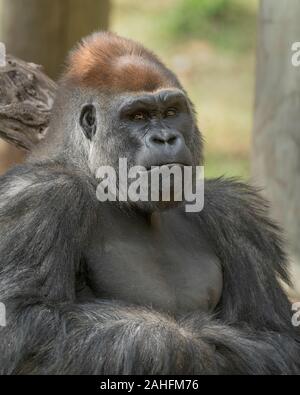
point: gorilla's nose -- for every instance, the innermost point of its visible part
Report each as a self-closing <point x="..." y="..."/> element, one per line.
<point x="166" y="139"/>
<point x="164" y="147"/>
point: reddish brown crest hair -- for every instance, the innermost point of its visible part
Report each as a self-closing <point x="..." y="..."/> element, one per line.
<point x="107" y="61"/>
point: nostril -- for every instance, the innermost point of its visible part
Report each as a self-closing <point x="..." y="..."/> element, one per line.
<point x="157" y="140"/>
<point x="172" y="140"/>
<point x="164" y="139"/>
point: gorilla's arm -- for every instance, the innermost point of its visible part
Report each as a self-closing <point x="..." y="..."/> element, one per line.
<point x="249" y="245"/>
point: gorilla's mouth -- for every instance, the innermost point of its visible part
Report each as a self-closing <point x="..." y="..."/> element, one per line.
<point x="163" y="166"/>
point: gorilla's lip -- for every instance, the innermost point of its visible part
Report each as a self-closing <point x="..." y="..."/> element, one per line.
<point x="159" y="166"/>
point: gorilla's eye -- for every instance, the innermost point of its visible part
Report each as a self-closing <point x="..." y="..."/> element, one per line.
<point x="171" y="112"/>
<point x="139" y="116"/>
<point x="88" y="121"/>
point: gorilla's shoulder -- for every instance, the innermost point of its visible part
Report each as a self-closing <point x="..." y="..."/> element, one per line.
<point x="42" y="179"/>
<point x="233" y="194"/>
<point x="239" y="208"/>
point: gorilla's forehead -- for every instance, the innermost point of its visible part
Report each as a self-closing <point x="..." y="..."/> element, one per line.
<point x="106" y="61"/>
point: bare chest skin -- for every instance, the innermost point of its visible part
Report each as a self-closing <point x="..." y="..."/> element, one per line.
<point x="165" y="263"/>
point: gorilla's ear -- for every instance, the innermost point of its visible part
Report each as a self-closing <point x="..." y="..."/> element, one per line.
<point x="88" y="121"/>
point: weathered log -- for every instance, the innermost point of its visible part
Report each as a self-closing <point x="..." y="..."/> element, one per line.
<point x="26" y="99"/>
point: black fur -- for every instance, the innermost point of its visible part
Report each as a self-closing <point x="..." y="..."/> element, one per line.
<point x="44" y="227"/>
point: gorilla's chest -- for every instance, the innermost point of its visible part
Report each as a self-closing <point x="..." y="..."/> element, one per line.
<point x="169" y="266"/>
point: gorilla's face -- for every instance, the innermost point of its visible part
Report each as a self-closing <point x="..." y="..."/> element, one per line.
<point x="161" y="126"/>
<point x="150" y="130"/>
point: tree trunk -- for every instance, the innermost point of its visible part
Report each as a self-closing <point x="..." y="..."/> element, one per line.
<point x="276" y="147"/>
<point x="43" y="31"/>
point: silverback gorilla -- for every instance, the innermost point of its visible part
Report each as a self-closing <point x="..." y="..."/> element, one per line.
<point x="127" y="288"/>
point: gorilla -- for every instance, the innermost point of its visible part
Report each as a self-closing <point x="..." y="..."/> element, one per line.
<point x="119" y="287"/>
